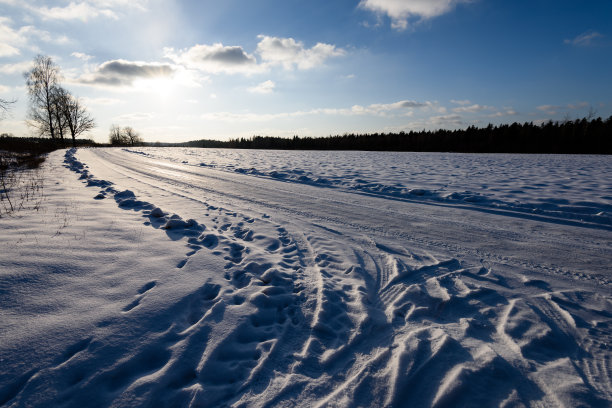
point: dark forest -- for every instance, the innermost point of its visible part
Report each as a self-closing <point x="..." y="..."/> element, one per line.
<point x="581" y="136"/>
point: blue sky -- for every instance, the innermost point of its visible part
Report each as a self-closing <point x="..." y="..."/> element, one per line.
<point x="185" y="70"/>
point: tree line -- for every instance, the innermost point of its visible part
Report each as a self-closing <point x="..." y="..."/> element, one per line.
<point x="38" y="145"/>
<point x="581" y="136"/>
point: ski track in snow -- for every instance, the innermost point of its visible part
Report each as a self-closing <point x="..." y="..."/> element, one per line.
<point x="300" y="314"/>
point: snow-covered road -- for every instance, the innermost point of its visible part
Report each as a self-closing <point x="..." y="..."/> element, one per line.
<point x="521" y="240"/>
<point x="247" y="290"/>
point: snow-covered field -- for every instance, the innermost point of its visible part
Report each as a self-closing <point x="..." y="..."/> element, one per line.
<point x="186" y="277"/>
<point x="575" y="187"/>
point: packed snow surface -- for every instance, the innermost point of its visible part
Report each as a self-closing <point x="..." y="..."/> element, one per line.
<point x="191" y="277"/>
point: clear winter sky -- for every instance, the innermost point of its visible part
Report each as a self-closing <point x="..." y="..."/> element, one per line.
<point x="191" y="69"/>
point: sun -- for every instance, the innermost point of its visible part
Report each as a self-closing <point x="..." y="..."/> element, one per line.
<point x="162" y="88"/>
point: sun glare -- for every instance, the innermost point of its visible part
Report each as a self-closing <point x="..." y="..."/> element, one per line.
<point x="163" y="88"/>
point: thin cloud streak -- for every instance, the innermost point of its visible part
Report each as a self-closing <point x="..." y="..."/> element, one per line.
<point x="85" y="11"/>
<point x="553" y="109"/>
<point x="585" y="39"/>
<point x="472" y="108"/>
<point x="401" y="108"/>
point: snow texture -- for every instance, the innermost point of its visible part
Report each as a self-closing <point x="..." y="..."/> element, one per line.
<point x="573" y="187"/>
<point x="174" y="277"/>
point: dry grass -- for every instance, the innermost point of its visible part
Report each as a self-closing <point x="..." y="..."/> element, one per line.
<point x="21" y="181"/>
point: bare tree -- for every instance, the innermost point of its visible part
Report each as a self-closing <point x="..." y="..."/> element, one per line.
<point x="5" y="106"/>
<point x="116" y="136"/>
<point x="41" y="80"/>
<point x="126" y="136"/>
<point x="74" y="114"/>
<point x="132" y="137"/>
<point x="58" y="100"/>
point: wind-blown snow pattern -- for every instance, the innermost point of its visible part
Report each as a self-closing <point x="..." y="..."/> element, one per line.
<point x="147" y="281"/>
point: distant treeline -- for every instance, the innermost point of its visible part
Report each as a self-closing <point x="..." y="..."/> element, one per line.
<point x="581" y="136"/>
<point x="36" y="144"/>
<point x="589" y="136"/>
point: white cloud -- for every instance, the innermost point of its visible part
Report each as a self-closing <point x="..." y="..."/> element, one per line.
<point x="12" y="40"/>
<point x="553" y="109"/>
<point x="443" y="120"/>
<point x="272" y="51"/>
<point x="265" y="87"/>
<point x="472" y="108"/>
<point x="81" y="56"/>
<point x="31" y="31"/>
<point x="401" y="108"/>
<point x="401" y="11"/>
<point x="5" y="30"/>
<point x="7" y="50"/>
<point x="584" y="39"/>
<point x="140" y="5"/>
<point x="291" y="53"/>
<point x="437" y="122"/>
<point x="461" y="102"/>
<point x="400" y="105"/>
<point x="15" y="68"/>
<point x="215" y="58"/>
<point x="505" y="112"/>
<point x="87" y="10"/>
<point x="124" y="73"/>
<point x="74" y="11"/>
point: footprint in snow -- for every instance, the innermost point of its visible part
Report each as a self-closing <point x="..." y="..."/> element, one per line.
<point x="141" y="293"/>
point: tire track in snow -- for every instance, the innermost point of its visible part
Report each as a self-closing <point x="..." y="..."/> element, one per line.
<point x="183" y="181"/>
